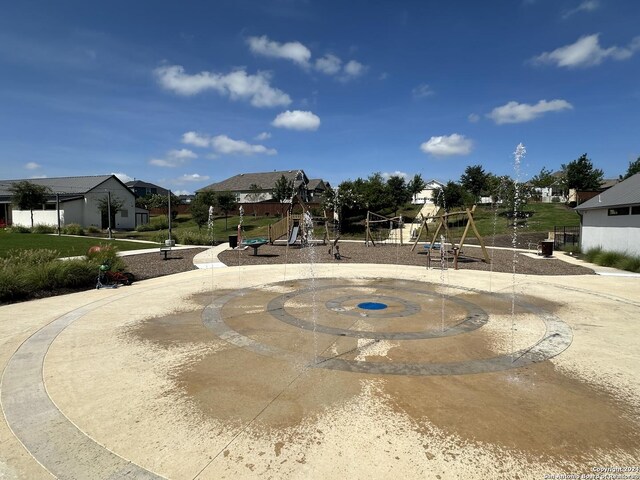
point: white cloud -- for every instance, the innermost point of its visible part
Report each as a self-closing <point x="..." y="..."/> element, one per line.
<point x="473" y="117"/>
<point x="397" y="173"/>
<point x="447" y="145"/>
<point x="329" y="64"/>
<point x="297" y="120"/>
<point x="174" y="158"/>
<point x="586" y="52"/>
<point x="354" y="69"/>
<point x="181" y="192"/>
<point x="238" y="85"/>
<point x="32" y="166"/>
<point x="585" y="6"/>
<point x="294" y="51"/>
<point x="192" y="178"/>
<point x="514" y="112"/>
<point x="123" y="177"/>
<point x="421" y="91"/>
<point x="263" y="136"/>
<point x="225" y="145"/>
<point x="196" y="139"/>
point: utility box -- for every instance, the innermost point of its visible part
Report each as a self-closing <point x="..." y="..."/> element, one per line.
<point x="545" y="248"/>
<point x="233" y="241"/>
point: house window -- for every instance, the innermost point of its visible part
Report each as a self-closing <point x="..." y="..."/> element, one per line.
<point x="618" y="211"/>
<point x="124" y="213"/>
<point x="635" y="210"/>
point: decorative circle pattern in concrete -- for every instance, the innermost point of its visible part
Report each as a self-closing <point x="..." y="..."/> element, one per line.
<point x="558" y="335"/>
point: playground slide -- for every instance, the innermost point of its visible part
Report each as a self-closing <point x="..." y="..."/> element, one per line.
<point x="294" y="235"/>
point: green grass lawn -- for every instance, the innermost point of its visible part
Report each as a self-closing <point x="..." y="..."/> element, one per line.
<point x="66" y="246"/>
<point x="545" y="217"/>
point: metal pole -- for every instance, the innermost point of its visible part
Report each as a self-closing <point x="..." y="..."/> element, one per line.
<point x="58" y="211"/>
<point x="169" y="209"/>
<point x="109" y="211"/>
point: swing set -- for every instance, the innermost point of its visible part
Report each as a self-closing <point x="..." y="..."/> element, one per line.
<point x="442" y="225"/>
<point x="376" y="223"/>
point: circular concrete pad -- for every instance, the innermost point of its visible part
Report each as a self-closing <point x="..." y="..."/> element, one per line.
<point x="134" y="383"/>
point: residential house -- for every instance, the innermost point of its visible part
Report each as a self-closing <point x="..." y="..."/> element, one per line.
<point x="74" y="200"/>
<point x="258" y="187"/>
<point x="142" y="189"/>
<point x="316" y="189"/>
<point x="426" y="195"/>
<point x="611" y="219"/>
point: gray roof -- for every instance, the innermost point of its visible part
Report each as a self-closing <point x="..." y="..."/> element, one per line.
<point x="265" y="180"/>
<point x="624" y="193"/>
<point x="60" y="185"/>
<point x="315" y="183"/>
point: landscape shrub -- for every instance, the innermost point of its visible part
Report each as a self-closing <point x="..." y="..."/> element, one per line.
<point x="43" y="229"/>
<point x="617" y="260"/>
<point x="27" y="273"/>
<point x="195" y="238"/>
<point x="158" y="223"/>
<point x="19" y="229"/>
<point x="93" y="229"/>
<point x="73" y="229"/>
<point x="160" y="237"/>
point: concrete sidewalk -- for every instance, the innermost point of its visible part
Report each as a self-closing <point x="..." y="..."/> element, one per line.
<point x="196" y="375"/>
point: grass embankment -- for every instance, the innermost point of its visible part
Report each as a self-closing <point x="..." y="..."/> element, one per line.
<point x="185" y="231"/>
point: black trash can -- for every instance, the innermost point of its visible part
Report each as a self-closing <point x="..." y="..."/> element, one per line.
<point x="545" y="248"/>
<point x="233" y="241"/>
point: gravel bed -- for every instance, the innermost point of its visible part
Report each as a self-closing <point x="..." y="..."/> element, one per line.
<point x="150" y="265"/>
<point x="357" y="252"/>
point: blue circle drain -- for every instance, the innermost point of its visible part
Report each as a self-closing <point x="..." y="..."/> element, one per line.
<point x="372" y="306"/>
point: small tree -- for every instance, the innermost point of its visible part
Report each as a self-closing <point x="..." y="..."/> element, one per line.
<point x="634" y="167"/>
<point x="397" y="192"/>
<point x="474" y="180"/>
<point x="283" y="190"/>
<point x="199" y="207"/>
<point x="254" y="196"/>
<point x="450" y="196"/>
<point x="581" y="175"/>
<point x="103" y="207"/>
<point x="544" y="179"/>
<point x="162" y="202"/>
<point x="416" y="185"/>
<point x="226" y="202"/>
<point x="28" y="196"/>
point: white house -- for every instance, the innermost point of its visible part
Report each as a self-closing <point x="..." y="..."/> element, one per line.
<point x="426" y="195"/>
<point x="611" y="219"/>
<point x="73" y="200"/>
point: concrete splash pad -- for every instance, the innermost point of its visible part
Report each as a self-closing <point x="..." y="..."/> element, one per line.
<point x="216" y="374"/>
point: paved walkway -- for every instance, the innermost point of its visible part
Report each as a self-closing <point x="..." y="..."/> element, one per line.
<point x="131" y="382"/>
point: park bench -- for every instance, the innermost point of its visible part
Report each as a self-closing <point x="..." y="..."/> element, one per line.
<point x="165" y="251"/>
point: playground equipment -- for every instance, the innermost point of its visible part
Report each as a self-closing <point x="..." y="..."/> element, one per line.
<point x="383" y="227"/>
<point x="293" y="225"/>
<point x="443" y="219"/>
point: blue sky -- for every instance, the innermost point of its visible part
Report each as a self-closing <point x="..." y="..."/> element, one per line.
<point x="184" y="94"/>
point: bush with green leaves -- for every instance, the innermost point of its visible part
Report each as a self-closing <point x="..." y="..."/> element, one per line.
<point x="40" y="228"/>
<point x="93" y="229"/>
<point x="158" y="223"/>
<point x="617" y="260"/>
<point x="195" y="238"/>
<point x="73" y="229"/>
<point x="27" y="273"/>
<point x="160" y="237"/>
<point x="19" y="229"/>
